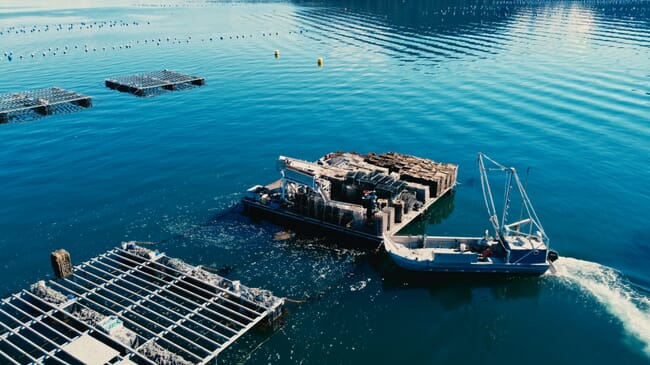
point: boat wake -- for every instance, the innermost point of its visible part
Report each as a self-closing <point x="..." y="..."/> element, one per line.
<point x="617" y="294"/>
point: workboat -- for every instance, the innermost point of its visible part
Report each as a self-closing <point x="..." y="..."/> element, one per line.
<point x="520" y="247"/>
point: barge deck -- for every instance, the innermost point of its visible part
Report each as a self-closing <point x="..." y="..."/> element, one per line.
<point x="357" y="196"/>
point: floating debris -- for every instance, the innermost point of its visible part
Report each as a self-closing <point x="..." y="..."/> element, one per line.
<point x="283" y="236"/>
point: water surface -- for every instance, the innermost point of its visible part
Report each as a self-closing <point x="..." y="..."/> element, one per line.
<point x="561" y="87"/>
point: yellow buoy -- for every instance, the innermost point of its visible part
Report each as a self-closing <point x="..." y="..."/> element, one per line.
<point x="320" y="62"/>
<point x="277" y="54"/>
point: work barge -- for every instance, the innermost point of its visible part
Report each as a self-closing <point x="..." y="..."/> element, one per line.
<point x="360" y="197"/>
<point x="130" y="305"/>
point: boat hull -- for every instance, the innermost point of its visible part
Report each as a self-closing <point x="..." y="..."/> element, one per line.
<point x="478" y="267"/>
<point x="345" y="237"/>
<point x="459" y="255"/>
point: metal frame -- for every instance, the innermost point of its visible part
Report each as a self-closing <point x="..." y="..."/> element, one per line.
<point x="153" y="83"/>
<point x="40" y="102"/>
<point x="174" y="309"/>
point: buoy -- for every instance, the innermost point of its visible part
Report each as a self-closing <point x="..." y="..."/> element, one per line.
<point x="320" y="62"/>
<point x="277" y="53"/>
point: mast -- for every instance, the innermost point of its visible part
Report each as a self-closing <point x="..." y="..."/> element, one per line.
<point x="487" y="194"/>
<point x="506" y="198"/>
<point x="512" y="178"/>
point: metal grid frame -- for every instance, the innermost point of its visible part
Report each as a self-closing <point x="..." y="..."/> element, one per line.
<point x="174" y="309"/>
<point x="153" y="83"/>
<point x="40" y="102"/>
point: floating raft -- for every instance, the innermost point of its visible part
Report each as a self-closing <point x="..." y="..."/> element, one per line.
<point x="130" y="305"/>
<point x="36" y="103"/>
<point x="154" y="83"/>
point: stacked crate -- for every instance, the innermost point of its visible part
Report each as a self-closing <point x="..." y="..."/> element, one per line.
<point x="439" y="177"/>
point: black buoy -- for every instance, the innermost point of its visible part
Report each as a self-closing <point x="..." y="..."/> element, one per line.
<point x="552" y="255"/>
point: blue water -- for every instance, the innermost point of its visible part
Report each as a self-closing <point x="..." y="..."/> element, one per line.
<point x="558" y="86"/>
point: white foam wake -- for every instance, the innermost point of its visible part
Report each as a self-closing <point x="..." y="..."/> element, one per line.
<point x="614" y="291"/>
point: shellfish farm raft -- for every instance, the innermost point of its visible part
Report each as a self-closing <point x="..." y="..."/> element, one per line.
<point x="130" y="305"/>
